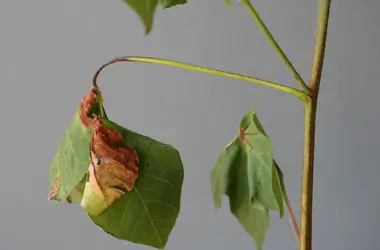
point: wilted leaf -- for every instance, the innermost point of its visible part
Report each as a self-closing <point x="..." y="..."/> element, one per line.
<point x="171" y="3"/>
<point x="147" y="214"/>
<point x="146" y="10"/>
<point x="70" y="164"/>
<point x="247" y="174"/>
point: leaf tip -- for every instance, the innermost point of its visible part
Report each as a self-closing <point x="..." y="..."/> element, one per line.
<point x="53" y="192"/>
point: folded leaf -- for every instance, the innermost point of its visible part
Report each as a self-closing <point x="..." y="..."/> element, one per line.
<point x="220" y="173"/>
<point x="97" y="194"/>
<point x="129" y="184"/>
<point x="113" y="167"/>
<point x="247" y="174"/>
<point x="70" y="164"/>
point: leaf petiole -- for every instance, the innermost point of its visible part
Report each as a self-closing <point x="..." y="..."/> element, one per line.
<point x="275" y="44"/>
<point x="298" y="93"/>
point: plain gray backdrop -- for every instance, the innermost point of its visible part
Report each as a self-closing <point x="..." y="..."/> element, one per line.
<point x="50" y="49"/>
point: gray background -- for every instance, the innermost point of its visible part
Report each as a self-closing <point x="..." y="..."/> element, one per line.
<point x="50" y="49"/>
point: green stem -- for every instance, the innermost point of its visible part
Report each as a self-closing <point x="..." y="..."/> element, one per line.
<point x="310" y="118"/>
<point x="307" y="176"/>
<point x="298" y="93"/>
<point x="275" y="44"/>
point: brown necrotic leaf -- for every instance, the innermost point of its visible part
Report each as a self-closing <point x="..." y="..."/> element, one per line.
<point x="106" y="143"/>
<point x="113" y="168"/>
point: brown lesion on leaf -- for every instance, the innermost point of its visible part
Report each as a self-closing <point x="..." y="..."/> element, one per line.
<point x="113" y="165"/>
<point x="243" y="135"/>
<point x="85" y="107"/>
<point x="54" y="190"/>
<point x="106" y="143"/>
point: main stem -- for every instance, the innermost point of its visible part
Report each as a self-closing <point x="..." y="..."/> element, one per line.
<point x="310" y="118"/>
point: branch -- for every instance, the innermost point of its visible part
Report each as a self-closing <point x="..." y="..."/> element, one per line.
<point x="298" y="93"/>
<point x="273" y="42"/>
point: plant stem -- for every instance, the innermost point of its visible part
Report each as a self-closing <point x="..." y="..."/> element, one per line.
<point x="275" y="44"/>
<point x="310" y="118"/>
<point x="298" y="93"/>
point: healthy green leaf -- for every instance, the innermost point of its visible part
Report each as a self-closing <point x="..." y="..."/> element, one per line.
<point x="146" y="10"/>
<point x="253" y="217"/>
<point x="220" y="173"/>
<point x="146" y="214"/>
<point x="171" y="3"/>
<point x="70" y="164"/>
<point x="279" y="188"/>
<point x="247" y="174"/>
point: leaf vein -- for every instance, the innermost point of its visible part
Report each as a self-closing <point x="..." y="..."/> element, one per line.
<point x="150" y="217"/>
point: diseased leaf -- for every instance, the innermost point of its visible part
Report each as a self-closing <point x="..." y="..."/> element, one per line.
<point x="165" y="4"/>
<point x="247" y="174"/>
<point x="97" y="194"/>
<point x="145" y="10"/>
<point x="147" y="214"/>
<point x="113" y="167"/>
<point x="129" y="184"/>
<point x="70" y="164"/>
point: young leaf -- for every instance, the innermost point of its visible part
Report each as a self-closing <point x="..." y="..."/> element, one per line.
<point x="146" y="10"/>
<point x="253" y="217"/>
<point x="219" y="174"/>
<point x="259" y="153"/>
<point x="171" y="3"/>
<point x="247" y="174"/>
<point x="279" y="187"/>
<point x="146" y="214"/>
<point x="70" y="164"/>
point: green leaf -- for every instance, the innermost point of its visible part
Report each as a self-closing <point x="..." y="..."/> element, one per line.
<point x="228" y="3"/>
<point x="248" y="175"/>
<point x="255" y="220"/>
<point x="146" y="10"/>
<point x="70" y="163"/>
<point x="147" y="214"/>
<point x="165" y="4"/>
<point x="219" y="174"/>
<point x="279" y="187"/>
